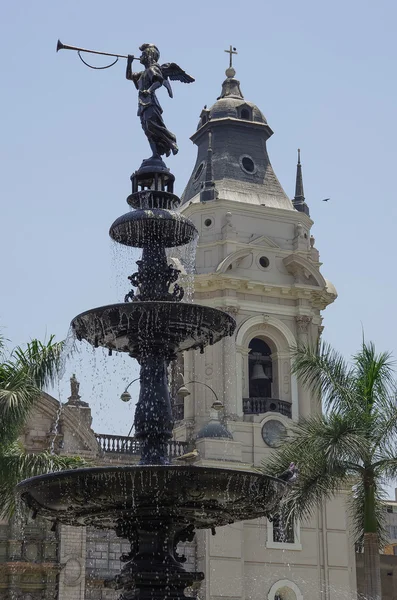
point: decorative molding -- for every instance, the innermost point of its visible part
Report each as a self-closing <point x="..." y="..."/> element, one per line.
<point x="232" y="258"/>
<point x="302" y="323"/>
<point x="264" y="242"/>
<point x="231" y="310"/>
<point x="299" y="266"/>
<point x="319" y="298"/>
<point x="257" y="322"/>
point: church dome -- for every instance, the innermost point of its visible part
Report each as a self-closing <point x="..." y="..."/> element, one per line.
<point x="236" y="108"/>
<point x="232" y="160"/>
<point x="214" y="429"/>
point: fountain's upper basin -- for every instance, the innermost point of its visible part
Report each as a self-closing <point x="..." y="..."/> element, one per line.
<point x="147" y="227"/>
<point x="160" y="327"/>
<point x="102" y="497"/>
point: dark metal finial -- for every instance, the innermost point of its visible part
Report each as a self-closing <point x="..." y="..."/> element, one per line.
<point x="299" y="199"/>
<point x="208" y="191"/>
<point x="231" y="51"/>
<point x="230" y="71"/>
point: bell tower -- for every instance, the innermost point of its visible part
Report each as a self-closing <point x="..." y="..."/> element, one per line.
<point x="257" y="260"/>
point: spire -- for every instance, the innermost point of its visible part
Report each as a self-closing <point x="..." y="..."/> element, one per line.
<point x="231" y="86"/>
<point x="208" y="191"/>
<point x="299" y="200"/>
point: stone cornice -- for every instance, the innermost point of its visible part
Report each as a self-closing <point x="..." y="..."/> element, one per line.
<point x="319" y="297"/>
<point x="238" y="122"/>
<point x="268" y="212"/>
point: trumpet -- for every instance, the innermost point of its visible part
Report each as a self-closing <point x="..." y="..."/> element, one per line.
<point x="61" y="46"/>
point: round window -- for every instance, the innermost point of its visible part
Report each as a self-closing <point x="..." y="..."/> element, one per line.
<point x="248" y="164"/>
<point x="208" y="222"/>
<point x="199" y="171"/>
<point x="264" y="262"/>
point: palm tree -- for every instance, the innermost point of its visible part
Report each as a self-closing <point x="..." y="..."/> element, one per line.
<point x="351" y="446"/>
<point x="23" y="374"/>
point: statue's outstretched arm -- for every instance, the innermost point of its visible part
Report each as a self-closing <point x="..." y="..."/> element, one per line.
<point x="129" y="74"/>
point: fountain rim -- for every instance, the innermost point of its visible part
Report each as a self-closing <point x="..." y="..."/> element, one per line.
<point x="130" y="468"/>
<point x="128" y="305"/>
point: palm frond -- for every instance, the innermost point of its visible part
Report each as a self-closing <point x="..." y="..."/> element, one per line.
<point x="384" y="424"/>
<point x="325" y="372"/>
<point x="327" y="450"/>
<point x="42" y="361"/>
<point x="17" y="395"/>
<point x="374" y="376"/>
<point x="386" y="467"/>
<point x="17" y="465"/>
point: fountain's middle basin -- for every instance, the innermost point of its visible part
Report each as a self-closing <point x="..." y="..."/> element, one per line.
<point x="134" y="327"/>
<point x="101" y="497"/>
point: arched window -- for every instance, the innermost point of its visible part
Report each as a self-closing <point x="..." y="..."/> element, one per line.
<point x="260" y="370"/>
<point x="284" y="590"/>
<point x="245" y="112"/>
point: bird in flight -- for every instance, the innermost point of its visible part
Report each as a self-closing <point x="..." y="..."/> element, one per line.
<point x="326" y="199"/>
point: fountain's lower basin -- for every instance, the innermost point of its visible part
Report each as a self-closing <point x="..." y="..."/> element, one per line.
<point x="103" y="497"/>
<point x="140" y="327"/>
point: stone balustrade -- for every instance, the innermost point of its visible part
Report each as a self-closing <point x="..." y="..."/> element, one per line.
<point x="121" y="444"/>
<point x="258" y="406"/>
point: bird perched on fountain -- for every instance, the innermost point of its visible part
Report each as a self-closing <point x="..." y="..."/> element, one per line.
<point x="290" y="475"/>
<point x="189" y="456"/>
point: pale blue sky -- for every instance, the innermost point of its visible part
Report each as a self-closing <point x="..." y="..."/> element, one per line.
<point x="324" y="74"/>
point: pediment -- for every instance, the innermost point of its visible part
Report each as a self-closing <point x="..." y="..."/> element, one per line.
<point x="304" y="271"/>
<point x="232" y="259"/>
<point x="264" y="242"/>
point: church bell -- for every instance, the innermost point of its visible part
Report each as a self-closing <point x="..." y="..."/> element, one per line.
<point x="258" y="372"/>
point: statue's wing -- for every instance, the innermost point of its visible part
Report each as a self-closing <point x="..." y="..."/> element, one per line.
<point x="174" y="72"/>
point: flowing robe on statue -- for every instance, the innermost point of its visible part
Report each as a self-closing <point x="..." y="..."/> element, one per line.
<point x="150" y="111"/>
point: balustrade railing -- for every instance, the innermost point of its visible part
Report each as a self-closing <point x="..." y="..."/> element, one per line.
<point x="257" y="406"/>
<point x="121" y="444"/>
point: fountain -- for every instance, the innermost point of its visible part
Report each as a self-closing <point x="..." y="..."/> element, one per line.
<point x="155" y="504"/>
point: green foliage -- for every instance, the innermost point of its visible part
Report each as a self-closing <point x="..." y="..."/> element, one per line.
<point x="352" y="447"/>
<point x="24" y="372"/>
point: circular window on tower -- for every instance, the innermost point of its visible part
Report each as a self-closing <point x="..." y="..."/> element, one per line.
<point x="264" y="262"/>
<point x="247" y="164"/>
<point x="199" y="170"/>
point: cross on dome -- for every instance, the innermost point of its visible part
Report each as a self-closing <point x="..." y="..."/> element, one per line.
<point x="230" y="72"/>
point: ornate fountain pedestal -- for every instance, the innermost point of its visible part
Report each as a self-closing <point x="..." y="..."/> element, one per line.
<point x="154" y="505"/>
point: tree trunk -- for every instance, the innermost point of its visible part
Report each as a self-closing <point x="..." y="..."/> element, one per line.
<point x="372" y="567"/>
<point x="372" y="589"/>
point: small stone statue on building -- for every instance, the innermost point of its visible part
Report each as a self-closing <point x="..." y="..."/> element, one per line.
<point x="74" y="398"/>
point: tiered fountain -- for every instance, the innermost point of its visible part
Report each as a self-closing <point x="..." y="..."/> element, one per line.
<point x="155" y="504"/>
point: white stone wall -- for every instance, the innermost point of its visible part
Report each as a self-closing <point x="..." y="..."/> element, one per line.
<point x="282" y="305"/>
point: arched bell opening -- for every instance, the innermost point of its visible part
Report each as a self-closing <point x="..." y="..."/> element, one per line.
<point x="260" y="369"/>
<point x="263" y="375"/>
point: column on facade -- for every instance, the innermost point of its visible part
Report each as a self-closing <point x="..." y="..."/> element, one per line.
<point x="72" y="557"/>
<point x="242" y="378"/>
<point x="304" y="395"/>
<point x="232" y="398"/>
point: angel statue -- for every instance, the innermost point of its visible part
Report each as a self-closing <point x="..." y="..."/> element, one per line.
<point x="161" y="140"/>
